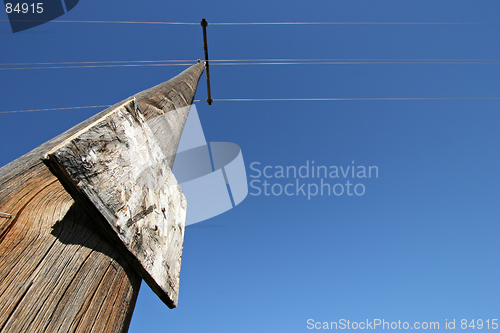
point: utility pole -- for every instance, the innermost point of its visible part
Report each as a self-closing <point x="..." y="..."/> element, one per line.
<point x="89" y="214"/>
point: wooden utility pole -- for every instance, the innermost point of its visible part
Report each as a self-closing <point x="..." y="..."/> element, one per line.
<point x="90" y="213"/>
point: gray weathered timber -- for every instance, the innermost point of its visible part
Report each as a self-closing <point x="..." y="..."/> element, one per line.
<point x="59" y="270"/>
<point x="116" y="170"/>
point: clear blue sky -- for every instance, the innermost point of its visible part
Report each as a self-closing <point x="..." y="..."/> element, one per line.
<point x="422" y="243"/>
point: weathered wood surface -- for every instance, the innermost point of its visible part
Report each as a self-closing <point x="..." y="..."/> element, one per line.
<point x="58" y="271"/>
<point x="117" y="171"/>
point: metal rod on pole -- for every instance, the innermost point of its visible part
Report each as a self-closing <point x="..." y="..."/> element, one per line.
<point x="204" y="24"/>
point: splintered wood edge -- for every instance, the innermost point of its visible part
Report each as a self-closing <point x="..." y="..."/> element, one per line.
<point x="96" y="212"/>
<point x="132" y="101"/>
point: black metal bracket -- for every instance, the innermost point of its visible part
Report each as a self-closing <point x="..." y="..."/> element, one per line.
<point x="204" y="24"/>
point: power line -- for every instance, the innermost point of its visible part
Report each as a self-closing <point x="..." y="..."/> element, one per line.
<point x="95" y="66"/>
<point x="57" y="109"/>
<point x="242" y="62"/>
<point x="345" y="59"/>
<point x="285" y="100"/>
<point x="360" y="63"/>
<point x="262" y="23"/>
<point x="350" y="99"/>
<point x="355" y="23"/>
<point x="108" y="22"/>
<point x="90" y="62"/>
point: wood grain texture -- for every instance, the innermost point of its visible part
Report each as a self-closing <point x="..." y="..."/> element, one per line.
<point x="117" y="171"/>
<point x="53" y="263"/>
<point x="58" y="271"/>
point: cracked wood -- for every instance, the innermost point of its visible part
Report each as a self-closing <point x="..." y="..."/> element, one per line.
<point x="116" y="169"/>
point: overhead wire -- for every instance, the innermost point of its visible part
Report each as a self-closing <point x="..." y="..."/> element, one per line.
<point x="354" y="23"/>
<point x="89" y="62"/>
<point x="95" y="66"/>
<point x="58" y="109"/>
<point x="240" y="62"/>
<point x="233" y="62"/>
<point x="283" y="100"/>
<point x="349" y="99"/>
<point x="109" y="22"/>
<point x="479" y="62"/>
<point x="347" y="59"/>
<point x="258" y="23"/>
